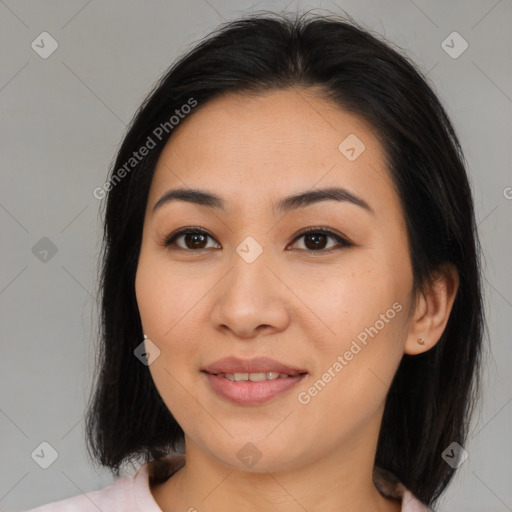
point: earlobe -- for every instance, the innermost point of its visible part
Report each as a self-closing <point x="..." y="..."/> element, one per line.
<point x="432" y="312"/>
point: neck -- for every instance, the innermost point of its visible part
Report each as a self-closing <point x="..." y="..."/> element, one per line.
<point x="340" y="480"/>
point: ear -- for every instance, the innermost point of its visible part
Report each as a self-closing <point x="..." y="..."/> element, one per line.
<point x="432" y="311"/>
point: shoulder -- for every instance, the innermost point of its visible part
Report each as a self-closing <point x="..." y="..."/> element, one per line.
<point x="128" y="494"/>
<point x="109" y="499"/>
<point x="412" y="504"/>
<point x="391" y="487"/>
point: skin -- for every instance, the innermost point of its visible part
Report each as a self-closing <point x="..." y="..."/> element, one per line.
<point x="301" y="306"/>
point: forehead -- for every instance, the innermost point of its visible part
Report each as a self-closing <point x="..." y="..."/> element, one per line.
<point x="278" y="142"/>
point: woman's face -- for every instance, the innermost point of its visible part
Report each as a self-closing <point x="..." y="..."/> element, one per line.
<point x="330" y="315"/>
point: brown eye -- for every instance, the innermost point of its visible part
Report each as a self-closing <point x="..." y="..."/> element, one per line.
<point x="195" y="240"/>
<point x="191" y="239"/>
<point x="316" y="239"/>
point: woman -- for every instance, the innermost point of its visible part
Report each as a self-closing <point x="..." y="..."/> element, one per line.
<point x="291" y="298"/>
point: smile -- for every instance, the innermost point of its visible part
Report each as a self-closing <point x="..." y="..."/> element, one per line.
<point x="251" y="388"/>
<point x="253" y="377"/>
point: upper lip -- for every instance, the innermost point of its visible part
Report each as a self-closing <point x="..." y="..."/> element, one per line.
<point x="253" y="365"/>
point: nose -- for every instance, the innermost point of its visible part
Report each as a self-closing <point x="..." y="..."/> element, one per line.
<point x="251" y="300"/>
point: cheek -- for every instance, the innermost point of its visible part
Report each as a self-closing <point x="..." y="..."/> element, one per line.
<point x="163" y="310"/>
<point x="355" y="367"/>
<point x="359" y="342"/>
<point x="363" y="341"/>
<point x="165" y="297"/>
<point x="348" y="303"/>
<point x="169" y="306"/>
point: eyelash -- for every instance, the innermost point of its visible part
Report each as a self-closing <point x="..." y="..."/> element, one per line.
<point x="316" y="230"/>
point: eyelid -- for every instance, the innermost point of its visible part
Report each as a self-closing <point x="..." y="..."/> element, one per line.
<point x="342" y="240"/>
<point x="183" y="231"/>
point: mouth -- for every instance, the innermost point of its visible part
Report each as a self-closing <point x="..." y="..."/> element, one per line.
<point x="253" y="381"/>
<point x="256" y="366"/>
<point x="253" y="377"/>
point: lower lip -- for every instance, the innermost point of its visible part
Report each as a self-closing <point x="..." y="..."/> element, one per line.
<point x="248" y="392"/>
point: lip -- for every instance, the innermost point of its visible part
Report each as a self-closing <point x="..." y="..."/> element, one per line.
<point x="248" y="392"/>
<point x="253" y="365"/>
<point x="251" y="393"/>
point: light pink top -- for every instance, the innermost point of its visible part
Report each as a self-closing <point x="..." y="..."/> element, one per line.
<point x="133" y="494"/>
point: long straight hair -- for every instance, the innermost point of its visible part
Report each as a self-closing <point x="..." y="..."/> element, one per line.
<point x="431" y="398"/>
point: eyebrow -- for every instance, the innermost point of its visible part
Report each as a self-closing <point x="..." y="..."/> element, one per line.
<point x="292" y="202"/>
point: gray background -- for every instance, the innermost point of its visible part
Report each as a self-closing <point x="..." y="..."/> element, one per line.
<point x="61" y="121"/>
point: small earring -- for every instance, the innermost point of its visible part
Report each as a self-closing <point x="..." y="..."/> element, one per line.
<point x="421" y="341"/>
<point x="145" y="336"/>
